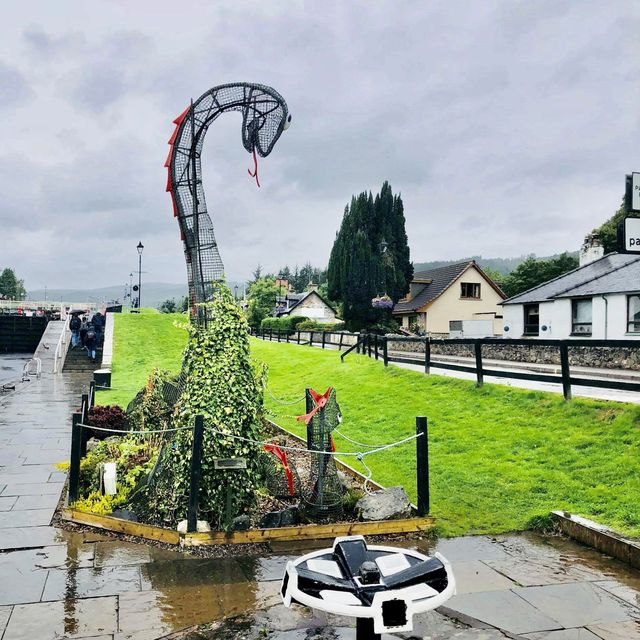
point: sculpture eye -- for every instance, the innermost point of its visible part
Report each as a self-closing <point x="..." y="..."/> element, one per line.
<point x="287" y="122"/>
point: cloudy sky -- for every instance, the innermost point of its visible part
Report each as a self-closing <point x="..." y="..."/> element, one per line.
<point x="507" y="126"/>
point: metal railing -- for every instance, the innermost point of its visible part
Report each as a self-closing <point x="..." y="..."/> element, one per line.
<point x="377" y="347"/>
<point x="62" y="346"/>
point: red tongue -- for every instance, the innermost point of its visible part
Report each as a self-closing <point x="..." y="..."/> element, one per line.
<point x="255" y="168"/>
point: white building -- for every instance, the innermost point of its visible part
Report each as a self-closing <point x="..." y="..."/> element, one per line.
<point x="309" y="304"/>
<point x="600" y="300"/>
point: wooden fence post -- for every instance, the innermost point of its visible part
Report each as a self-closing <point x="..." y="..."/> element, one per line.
<point x="341" y="338"/>
<point x="76" y="449"/>
<point x="422" y="465"/>
<point x="196" y="468"/>
<point x="369" y="345"/>
<point x="278" y="335"/>
<point x="385" y="351"/>
<point x="479" y="375"/>
<point x="310" y="338"/>
<point x="375" y="345"/>
<point x="324" y="338"/>
<point x="427" y="355"/>
<point x="92" y="393"/>
<point x="566" y="372"/>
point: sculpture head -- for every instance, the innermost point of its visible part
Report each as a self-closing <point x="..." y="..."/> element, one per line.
<point x="264" y="117"/>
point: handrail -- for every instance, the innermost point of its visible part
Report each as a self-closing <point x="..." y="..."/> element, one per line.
<point x="64" y="337"/>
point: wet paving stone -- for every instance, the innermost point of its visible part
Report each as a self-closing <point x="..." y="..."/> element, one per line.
<point x="120" y="553"/>
<point x="91" y="583"/>
<point x="474" y="576"/>
<point x="5" y="612"/>
<point x="7" y="503"/>
<point x="46" y="501"/>
<point x="63" y="619"/>
<point x="577" y="604"/>
<point x="32" y="489"/>
<point x="18" y="586"/>
<point x="264" y="569"/>
<point x="622" y="591"/>
<point x="60" y="557"/>
<point x="565" y="634"/>
<point x="31" y="518"/>
<point x="25" y="538"/>
<point x="617" y="631"/>
<point x="195" y="572"/>
<point x="503" y="610"/>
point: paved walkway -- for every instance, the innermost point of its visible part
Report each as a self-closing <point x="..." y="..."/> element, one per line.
<point x="85" y="585"/>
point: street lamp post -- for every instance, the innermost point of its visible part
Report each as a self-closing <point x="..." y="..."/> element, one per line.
<point x="235" y="292"/>
<point x="140" y="248"/>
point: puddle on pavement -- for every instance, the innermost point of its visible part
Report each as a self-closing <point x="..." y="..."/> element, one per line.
<point x="164" y="590"/>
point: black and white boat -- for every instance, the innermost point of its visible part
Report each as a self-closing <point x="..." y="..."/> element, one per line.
<point x="382" y="587"/>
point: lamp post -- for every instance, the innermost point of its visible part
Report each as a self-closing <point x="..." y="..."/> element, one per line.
<point x="235" y="292"/>
<point x="140" y="248"/>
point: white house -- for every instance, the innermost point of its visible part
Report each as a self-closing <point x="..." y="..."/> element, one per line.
<point x="309" y="304"/>
<point x="600" y="300"/>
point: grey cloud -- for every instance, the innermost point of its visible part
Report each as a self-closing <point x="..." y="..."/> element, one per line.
<point x="15" y="88"/>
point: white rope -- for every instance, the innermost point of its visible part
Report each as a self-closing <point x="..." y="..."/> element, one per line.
<point x="358" y="455"/>
<point x="358" y="444"/>
<point x="283" y="401"/>
<point x="126" y="432"/>
<point x="365" y="486"/>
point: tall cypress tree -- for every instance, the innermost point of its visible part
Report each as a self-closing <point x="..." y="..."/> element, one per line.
<point x="370" y="257"/>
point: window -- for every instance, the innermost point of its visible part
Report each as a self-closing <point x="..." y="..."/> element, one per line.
<point x="633" y="314"/>
<point x="581" y="317"/>
<point x="470" y="290"/>
<point x="531" y="320"/>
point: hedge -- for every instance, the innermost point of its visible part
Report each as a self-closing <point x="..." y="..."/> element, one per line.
<point x="284" y="323"/>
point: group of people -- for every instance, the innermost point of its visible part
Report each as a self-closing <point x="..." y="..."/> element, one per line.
<point x="87" y="333"/>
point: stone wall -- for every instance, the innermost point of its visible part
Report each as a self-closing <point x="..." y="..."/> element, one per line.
<point x="597" y="357"/>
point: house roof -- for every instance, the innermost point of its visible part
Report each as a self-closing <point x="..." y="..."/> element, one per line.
<point x="434" y="282"/>
<point x="613" y="273"/>
<point x="300" y="297"/>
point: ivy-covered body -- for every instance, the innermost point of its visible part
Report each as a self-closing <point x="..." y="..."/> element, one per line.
<point x="219" y="383"/>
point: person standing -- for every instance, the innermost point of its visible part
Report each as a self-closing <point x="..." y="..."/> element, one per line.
<point x="74" y="325"/>
<point x="90" y="343"/>
<point x="98" y="324"/>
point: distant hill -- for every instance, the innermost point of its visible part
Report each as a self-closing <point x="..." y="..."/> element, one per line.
<point x="502" y="265"/>
<point x="153" y="293"/>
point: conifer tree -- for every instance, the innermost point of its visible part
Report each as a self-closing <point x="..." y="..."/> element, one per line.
<point x="370" y="257"/>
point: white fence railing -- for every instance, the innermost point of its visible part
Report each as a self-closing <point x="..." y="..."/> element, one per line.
<point x="62" y="346"/>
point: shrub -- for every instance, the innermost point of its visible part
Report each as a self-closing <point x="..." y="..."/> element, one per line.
<point x="151" y="409"/>
<point x="110" y="417"/>
<point x="284" y="323"/>
<point x="314" y="325"/>
<point x="220" y="384"/>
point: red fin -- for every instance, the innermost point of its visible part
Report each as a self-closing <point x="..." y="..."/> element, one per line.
<point x="174" y="135"/>
<point x="167" y="162"/>
<point x="169" y="186"/>
<point x="182" y="116"/>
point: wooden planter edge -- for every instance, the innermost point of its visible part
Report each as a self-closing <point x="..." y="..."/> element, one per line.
<point x="305" y="532"/>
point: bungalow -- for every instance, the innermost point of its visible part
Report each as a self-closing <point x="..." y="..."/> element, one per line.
<point x="441" y="300"/>
<point x="309" y="304"/>
<point x="600" y="299"/>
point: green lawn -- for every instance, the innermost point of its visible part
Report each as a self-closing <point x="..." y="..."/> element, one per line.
<point x="499" y="456"/>
<point x="142" y="342"/>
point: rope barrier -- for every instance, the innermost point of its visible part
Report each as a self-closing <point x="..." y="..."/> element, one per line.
<point x="127" y="432"/>
<point x="358" y="444"/>
<point x="358" y="455"/>
<point x="283" y="401"/>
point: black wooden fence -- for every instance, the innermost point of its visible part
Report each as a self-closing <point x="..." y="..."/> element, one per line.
<point x="377" y="347"/>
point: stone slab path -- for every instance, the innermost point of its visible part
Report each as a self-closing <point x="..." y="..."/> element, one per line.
<point x="56" y="584"/>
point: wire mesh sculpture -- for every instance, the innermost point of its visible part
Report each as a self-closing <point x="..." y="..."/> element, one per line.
<point x="265" y="116"/>
<point x="322" y="495"/>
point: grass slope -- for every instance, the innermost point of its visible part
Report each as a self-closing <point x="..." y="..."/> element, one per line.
<point x="499" y="456"/>
<point x="142" y="342"/>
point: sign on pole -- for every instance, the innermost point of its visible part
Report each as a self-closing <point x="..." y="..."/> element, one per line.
<point x="631" y="232"/>
<point x="632" y="192"/>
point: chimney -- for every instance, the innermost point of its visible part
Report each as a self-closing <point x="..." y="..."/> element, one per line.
<point x="312" y="286"/>
<point x="591" y="250"/>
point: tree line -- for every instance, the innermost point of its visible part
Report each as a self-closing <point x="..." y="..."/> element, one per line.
<point x="11" y="287"/>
